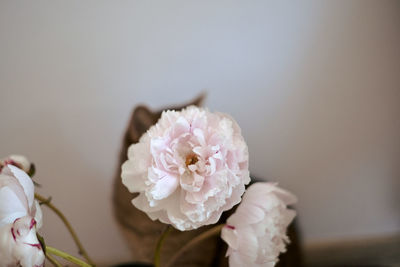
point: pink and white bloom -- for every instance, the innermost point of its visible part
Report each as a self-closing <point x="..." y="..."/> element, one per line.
<point x="188" y="168"/>
<point x="256" y="232"/>
<point x="20" y="217"/>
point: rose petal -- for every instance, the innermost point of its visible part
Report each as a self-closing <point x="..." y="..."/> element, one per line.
<point x="229" y="235"/>
<point x="38" y="215"/>
<point x="248" y="243"/>
<point x="164" y="187"/>
<point x="134" y="180"/>
<point x="11" y="207"/>
<point x="253" y="214"/>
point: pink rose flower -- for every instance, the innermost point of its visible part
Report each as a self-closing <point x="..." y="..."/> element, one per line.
<point x="20" y="216"/>
<point x="256" y="232"/>
<point x="188" y="168"/>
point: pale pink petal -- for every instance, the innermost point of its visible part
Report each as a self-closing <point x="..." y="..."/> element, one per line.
<point x="11" y="206"/>
<point x="248" y="244"/>
<point x="164" y="187"/>
<point x="26" y="183"/>
<point x="38" y="215"/>
<point x="252" y="214"/>
<point x="157" y="145"/>
<point x="181" y="126"/>
<point x="287" y="197"/>
<point x="191" y="183"/>
<point x="200" y="136"/>
<point x="134" y="171"/>
<point x="229" y="235"/>
<point x="235" y="260"/>
<point x="132" y="179"/>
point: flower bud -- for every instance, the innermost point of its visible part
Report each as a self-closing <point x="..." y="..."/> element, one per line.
<point x="18" y="161"/>
<point x="256" y="232"/>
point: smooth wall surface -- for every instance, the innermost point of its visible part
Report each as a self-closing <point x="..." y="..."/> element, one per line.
<point x="314" y="85"/>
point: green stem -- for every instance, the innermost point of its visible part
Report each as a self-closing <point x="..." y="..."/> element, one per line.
<point x="53" y="260"/>
<point x="209" y="233"/>
<point x="82" y="251"/>
<point x="157" y="253"/>
<point x="66" y="256"/>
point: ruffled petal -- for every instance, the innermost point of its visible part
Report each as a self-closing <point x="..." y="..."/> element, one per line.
<point x="11" y="206"/>
<point x="236" y="260"/>
<point x="164" y="187"/>
<point x="38" y="215"/>
<point x="229" y="235"/>
<point x="133" y="179"/>
<point x="248" y="243"/>
<point x="253" y="214"/>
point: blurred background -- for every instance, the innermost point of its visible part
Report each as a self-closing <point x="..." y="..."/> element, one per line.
<point x="315" y="86"/>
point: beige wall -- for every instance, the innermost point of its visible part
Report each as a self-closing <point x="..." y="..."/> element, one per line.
<point x="315" y="87"/>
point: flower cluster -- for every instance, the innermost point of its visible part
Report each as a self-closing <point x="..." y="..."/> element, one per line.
<point x="188" y="168"/>
<point x="20" y="216"/>
<point x="193" y="165"/>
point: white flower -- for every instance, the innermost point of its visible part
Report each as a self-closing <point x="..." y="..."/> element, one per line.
<point x="256" y="232"/>
<point x="20" y="216"/>
<point x="188" y="168"/>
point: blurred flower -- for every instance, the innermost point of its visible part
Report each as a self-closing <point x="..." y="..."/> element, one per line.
<point x="188" y="168"/>
<point x="256" y="232"/>
<point x="20" y="216"/>
<point x="17" y="160"/>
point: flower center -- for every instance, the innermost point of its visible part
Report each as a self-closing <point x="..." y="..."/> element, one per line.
<point x="191" y="159"/>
